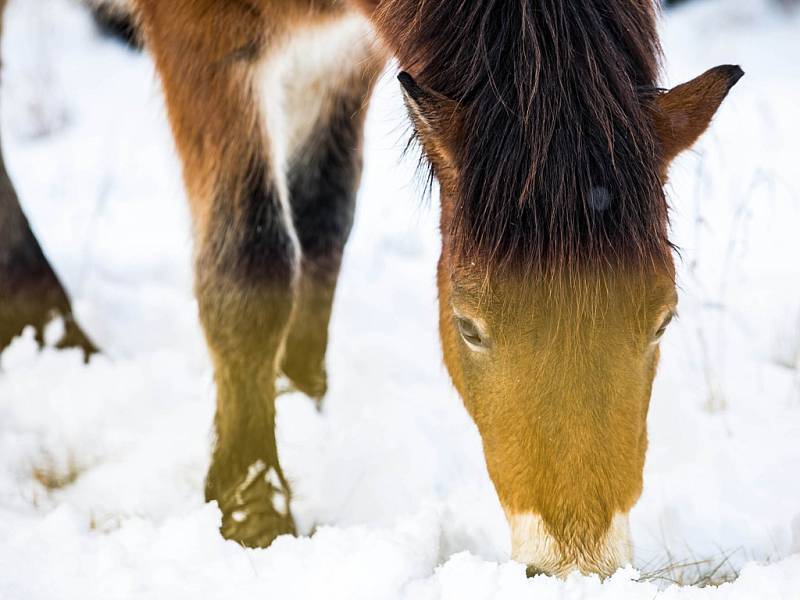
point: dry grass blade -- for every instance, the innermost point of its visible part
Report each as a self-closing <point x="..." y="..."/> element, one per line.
<point x="55" y="476"/>
<point x="713" y="571"/>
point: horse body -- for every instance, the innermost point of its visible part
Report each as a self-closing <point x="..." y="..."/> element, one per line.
<point x="544" y="127"/>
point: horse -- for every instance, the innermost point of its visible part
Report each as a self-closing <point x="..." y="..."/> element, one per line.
<point x="544" y="126"/>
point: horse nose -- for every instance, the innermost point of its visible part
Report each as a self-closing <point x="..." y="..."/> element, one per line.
<point x="533" y="545"/>
<point x="533" y="571"/>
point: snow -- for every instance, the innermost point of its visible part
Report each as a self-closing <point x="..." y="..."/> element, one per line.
<point x="102" y="466"/>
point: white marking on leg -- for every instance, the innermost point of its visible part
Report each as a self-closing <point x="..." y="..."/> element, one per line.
<point x="296" y="82"/>
<point x="300" y="75"/>
<point x="270" y="75"/>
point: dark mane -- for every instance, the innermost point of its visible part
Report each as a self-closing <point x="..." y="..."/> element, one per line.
<point x="558" y="164"/>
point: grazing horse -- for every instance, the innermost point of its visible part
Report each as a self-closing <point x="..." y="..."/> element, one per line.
<point x="544" y="126"/>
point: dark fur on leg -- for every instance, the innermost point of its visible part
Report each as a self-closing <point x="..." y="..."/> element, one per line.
<point x="323" y="182"/>
<point x="245" y="288"/>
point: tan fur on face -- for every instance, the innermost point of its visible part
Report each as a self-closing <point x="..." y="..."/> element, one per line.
<point x="560" y="399"/>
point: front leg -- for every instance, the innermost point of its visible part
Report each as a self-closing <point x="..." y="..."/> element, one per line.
<point x="247" y="255"/>
<point x="246" y="280"/>
<point x="324" y="176"/>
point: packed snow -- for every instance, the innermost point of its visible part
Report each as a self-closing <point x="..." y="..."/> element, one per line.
<point x="102" y="465"/>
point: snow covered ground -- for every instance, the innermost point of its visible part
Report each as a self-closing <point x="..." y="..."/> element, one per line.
<point x="101" y="466"/>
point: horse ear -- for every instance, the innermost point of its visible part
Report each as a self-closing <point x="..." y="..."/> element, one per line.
<point x="435" y="118"/>
<point x="682" y="114"/>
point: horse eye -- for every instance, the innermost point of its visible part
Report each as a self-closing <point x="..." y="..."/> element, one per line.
<point x="661" y="330"/>
<point x="469" y="333"/>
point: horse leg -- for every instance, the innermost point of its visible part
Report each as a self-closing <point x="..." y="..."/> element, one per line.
<point x="323" y="181"/>
<point x="247" y="254"/>
<point x="30" y="292"/>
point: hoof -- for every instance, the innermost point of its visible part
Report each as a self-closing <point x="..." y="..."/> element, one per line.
<point x="312" y="382"/>
<point x="256" y="510"/>
<point x="255" y="528"/>
<point x="74" y="337"/>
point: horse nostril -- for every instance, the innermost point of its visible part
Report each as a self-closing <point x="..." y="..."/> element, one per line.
<point x="533" y="571"/>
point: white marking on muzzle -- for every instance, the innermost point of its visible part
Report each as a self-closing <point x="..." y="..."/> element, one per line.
<point x="533" y="545"/>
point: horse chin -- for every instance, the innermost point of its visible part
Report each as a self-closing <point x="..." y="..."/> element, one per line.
<point x="534" y="546"/>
